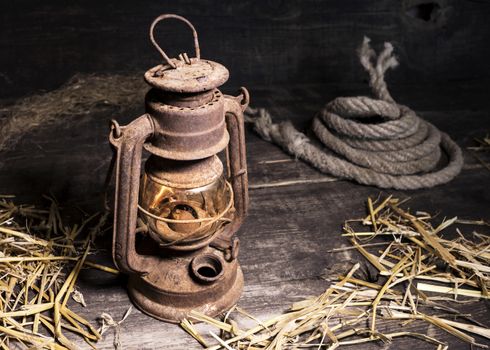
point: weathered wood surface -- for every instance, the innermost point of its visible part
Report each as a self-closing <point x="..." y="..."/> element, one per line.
<point x="43" y="43"/>
<point x="295" y="216"/>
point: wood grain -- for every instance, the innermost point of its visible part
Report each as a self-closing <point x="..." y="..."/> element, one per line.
<point x="290" y="228"/>
<point x="263" y="43"/>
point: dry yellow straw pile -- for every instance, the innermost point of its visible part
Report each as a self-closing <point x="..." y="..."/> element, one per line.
<point x="414" y="260"/>
<point x="40" y="260"/>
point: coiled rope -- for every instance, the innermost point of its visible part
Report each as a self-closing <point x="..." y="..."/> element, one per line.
<point x="401" y="152"/>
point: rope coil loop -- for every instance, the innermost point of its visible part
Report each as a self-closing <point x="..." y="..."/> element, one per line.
<point x="164" y="55"/>
<point x="400" y="152"/>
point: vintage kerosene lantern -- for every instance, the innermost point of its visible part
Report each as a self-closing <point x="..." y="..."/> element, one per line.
<point x="174" y="225"/>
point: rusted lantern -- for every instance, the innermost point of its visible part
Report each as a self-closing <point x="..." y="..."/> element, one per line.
<point x="174" y="225"/>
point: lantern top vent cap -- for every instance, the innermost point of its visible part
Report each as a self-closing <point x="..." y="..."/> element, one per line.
<point x="198" y="76"/>
<point x="184" y="75"/>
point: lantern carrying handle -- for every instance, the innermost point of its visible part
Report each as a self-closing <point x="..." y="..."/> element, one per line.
<point x="164" y="55"/>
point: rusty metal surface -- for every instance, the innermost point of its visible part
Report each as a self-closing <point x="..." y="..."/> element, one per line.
<point x="171" y="290"/>
<point x="184" y="132"/>
<point x="128" y="143"/>
<point x="184" y="174"/>
<point x="199" y="76"/>
<point x="188" y="121"/>
<point x="184" y="75"/>
<point x="183" y="56"/>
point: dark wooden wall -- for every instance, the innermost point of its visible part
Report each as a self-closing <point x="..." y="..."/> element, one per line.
<point x="264" y="43"/>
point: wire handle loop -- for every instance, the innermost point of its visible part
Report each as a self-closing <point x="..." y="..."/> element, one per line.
<point x="153" y="41"/>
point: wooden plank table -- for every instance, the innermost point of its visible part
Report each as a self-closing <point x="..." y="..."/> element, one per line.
<point x="296" y="213"/>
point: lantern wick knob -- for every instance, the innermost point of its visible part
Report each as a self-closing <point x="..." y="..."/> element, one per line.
<point x="164" y="55"/>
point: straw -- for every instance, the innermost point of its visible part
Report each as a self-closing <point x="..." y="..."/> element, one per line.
<point x="38" y="278"/>
<point x="413" y="250"/>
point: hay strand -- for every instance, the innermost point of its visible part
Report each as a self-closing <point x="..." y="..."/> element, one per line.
<point x="413" y="251"/>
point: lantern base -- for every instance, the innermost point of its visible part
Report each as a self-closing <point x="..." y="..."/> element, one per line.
<point x="170" y="291"/>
